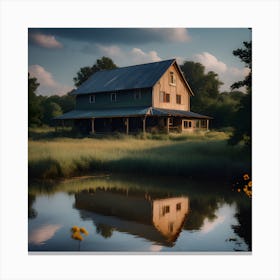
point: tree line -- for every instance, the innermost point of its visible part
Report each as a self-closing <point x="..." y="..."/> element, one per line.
<point x="230" y="110"/>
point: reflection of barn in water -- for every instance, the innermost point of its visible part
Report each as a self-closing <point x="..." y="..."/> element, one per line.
<point x="154" y="217"/>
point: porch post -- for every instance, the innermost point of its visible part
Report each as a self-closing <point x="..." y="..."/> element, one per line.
<point x="144" y="124"/>
<point x="167" y="125"/>
<point x="92" y="125"/>
<point x="127" y="125"/>
<point x="207" y="125"/>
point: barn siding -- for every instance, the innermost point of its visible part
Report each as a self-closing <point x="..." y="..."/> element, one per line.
<point x="124" y="99"/>
<point x="180" y="88"/>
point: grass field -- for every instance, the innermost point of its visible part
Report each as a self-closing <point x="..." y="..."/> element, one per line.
<point x="197" y="156"/>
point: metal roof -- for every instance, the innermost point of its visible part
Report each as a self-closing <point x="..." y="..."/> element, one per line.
<point x="131" y="77"/>
<point x="178" y="113"/>
<point x="104" y="113"/>
<point x="129" y="112"/>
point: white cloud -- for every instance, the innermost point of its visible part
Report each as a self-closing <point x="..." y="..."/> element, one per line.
<point x="210" y="225"/>
<point x="228" y="75"/>
<point x="123" y="57"/>
<point x="211" y="63"/>
<point x="48" y="85"/>
<point x="111" y="51"/>
<point x="46" y="41"/>
<point x="139" y="56"/>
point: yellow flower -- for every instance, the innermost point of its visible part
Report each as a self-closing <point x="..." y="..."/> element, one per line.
<point x="84" y="231"/>
<point x="250" y="184"/>
<point x="238" y="190"/>
<point x="75" y="229"/>
<point x="246" y="177"/>
<point x="77" y="235"/>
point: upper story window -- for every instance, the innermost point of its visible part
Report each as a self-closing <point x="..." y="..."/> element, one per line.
<point x="137" y="94"/>
<point x="178" y="207"/>
<point x="164" y="97"/>
<point x="165" y="209"/>
<point x="178" y="99"/>
<point x="92" y="99"/>
<point x="172" y="78"/>
<point x="113" y="97"/>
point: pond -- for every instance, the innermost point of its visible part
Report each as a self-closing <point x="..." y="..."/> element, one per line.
<point x="119" y="214"/>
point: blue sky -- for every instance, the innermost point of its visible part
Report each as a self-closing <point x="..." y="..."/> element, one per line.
<point x="55" y="55"/>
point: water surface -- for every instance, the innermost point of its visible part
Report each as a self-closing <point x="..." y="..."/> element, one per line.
<point x="125" y="214"/>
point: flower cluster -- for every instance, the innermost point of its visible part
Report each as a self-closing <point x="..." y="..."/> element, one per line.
<point x="244" y="184"/>
<point x="77" y="233"/>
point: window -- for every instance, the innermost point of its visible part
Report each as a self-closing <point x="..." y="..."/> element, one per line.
<point x="137" y="95"/>
<point x="113" y="97"/>
<point x="178" y="207"/>
<point x="92" y="99"/>
<point x="178" y="99"/>
<point x="164" y="97"/>
<point x="187" y="124"/>
<point x="172" y="78"/>
<point x="165" y="209"/>
<point x="203" y="124"/>
<point x="171" y="227"/>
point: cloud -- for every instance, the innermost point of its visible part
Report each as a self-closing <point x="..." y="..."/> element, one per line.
<point x="45" y="41"/>
<point x="111" y="51"/>
<point x="118" y="35"/>
<point x="139" y="56"/>
<point x="48" y="85"/>
<point x="210" y="225"/>
<point x="122" y="56"/>
<point x="228" y="75"/>
<point x="211" y="63"/>
<point x="155" y="248"/>
<point x="42" y="234"/>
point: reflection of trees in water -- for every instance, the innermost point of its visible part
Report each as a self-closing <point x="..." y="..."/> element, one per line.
<point x="244" y="229"/>
<point x="205" y="207"/>
<point x="200" y="209"/>
<point x="105" y="230"/>
<point x="32" y="213"/>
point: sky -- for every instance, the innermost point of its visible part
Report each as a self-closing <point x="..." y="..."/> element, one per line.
<point x="55" y="55"/>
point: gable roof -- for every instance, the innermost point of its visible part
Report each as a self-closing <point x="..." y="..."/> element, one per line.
<point x="125" y="78"/>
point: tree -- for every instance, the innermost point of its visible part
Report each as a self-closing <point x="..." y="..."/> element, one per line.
<point x="243" y="117"/>
<point x="245" y="56"/>
<point x="207" y="98"/>
<point x="104" y="63"/>
<point x="204" y="85"/>
<point x="66" y="102"/>
<point x="34" y="108"/>
<point x="50" y="111"/>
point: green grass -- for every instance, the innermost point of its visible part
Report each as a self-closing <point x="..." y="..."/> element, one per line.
<point x="193" y="156"/>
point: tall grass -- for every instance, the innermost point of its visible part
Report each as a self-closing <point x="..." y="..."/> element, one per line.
<point x="180" y="155"/>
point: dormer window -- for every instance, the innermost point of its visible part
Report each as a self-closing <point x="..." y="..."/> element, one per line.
<point x="92" y="99"/>
<point x="172" y="79"/>
<point x="113" y="97"/>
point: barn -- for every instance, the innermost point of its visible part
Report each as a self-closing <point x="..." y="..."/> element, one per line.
<point x="151" y="97"/>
